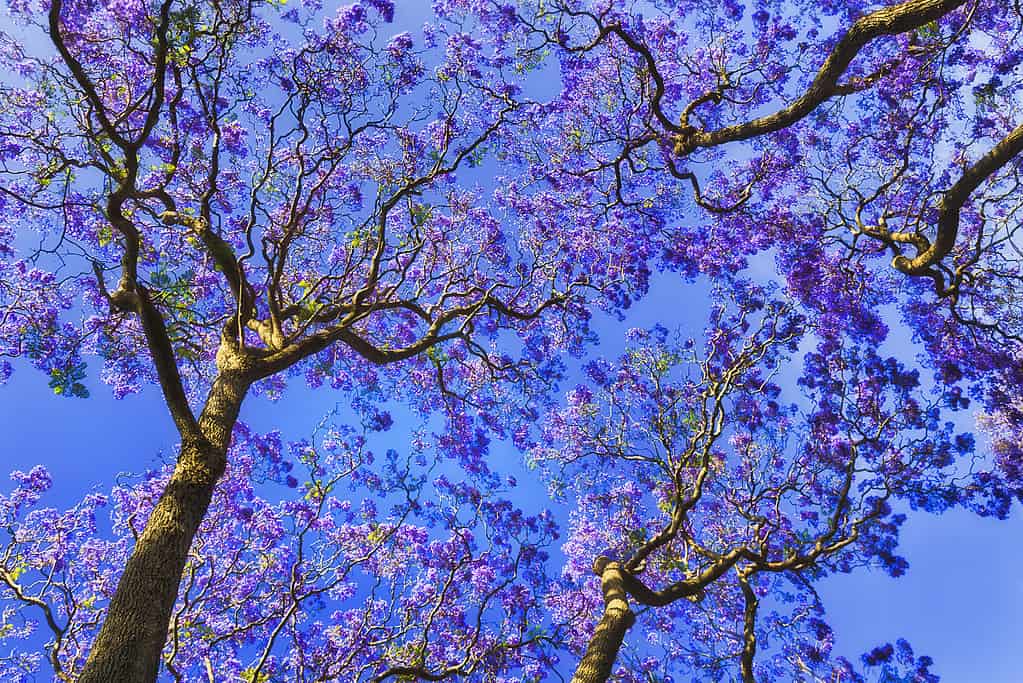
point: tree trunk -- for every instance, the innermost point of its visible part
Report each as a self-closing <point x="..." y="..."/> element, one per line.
<point x="128" y="647"/>
<point x="602" y="650"/>
<point x="749" y="630"/>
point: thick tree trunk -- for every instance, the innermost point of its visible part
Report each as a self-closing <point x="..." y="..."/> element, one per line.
<point x="749" y="629"/>
<point x="133" y="634"/>
<point x="602" y="650"/>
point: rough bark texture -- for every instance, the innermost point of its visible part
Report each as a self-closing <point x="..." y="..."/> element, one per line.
<point x="749" y="630"/>
<point x="129" y="644"/>
<point x="602" y="650"/>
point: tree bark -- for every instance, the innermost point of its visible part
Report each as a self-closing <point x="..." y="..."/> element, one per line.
<point x="749" y="630"/>
<point x="602" y="650"/>
<point x="128" y="647"/>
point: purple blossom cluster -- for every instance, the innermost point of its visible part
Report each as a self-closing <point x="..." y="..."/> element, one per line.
<point x="725" y="495"/>
<point x="421" y="574"/>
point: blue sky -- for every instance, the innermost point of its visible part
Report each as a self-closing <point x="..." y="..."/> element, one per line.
<point x="961" y="601"/>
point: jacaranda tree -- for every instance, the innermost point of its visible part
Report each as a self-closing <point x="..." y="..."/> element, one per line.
<point x="699" y="494"/>
<point x="874" y="147"/>
<point x="208" y="195"/>
<point x="213" y="197"/>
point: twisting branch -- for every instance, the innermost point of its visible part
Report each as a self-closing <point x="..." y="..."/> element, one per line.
<point x="889" y="21"/>
<point x="930" y="254"/>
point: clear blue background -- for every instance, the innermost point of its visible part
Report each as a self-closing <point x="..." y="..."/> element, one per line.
<point x="961" y="601"/>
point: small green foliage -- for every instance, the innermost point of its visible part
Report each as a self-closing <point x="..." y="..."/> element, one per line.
<point x="421" y="214"/>
<point x="929" y="31"/>
<point x="68" y="381"/>
<point x="638" y="537"/>
<point x="250" y="676"/>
